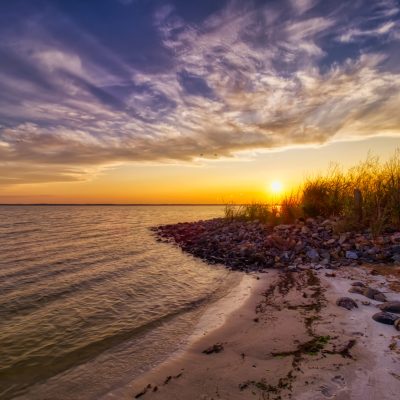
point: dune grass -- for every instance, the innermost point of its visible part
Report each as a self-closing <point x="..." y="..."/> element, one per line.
<point x="333" y="194"/>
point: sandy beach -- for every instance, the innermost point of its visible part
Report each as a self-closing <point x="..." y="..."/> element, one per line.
<point x="287" y="339"/>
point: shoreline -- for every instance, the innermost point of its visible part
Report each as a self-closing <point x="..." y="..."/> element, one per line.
<point x="287" y="339"/>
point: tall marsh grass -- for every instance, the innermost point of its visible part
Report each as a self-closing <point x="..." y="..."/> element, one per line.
<point x="333" y="195"/>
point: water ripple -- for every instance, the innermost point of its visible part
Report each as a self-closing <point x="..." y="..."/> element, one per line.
<point x="82" y="284"/>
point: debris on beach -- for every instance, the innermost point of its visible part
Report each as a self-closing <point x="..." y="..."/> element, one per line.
<point x="216" y="348"/>
<point x="143" y="392"/>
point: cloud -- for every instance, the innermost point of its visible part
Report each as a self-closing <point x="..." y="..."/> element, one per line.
<point x="302" y="6"/>
<point x="386" y="29"/>
<point x="242" y="79"/>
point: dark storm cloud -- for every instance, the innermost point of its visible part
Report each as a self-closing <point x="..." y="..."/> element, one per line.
<point x="84" y="87"/>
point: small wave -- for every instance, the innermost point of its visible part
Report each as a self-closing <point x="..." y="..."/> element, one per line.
<point x="78" y="281"/>
<point x="23" y="374"/>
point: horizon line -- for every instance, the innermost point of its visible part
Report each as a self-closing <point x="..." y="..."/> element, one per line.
<point x="113" y="204"/>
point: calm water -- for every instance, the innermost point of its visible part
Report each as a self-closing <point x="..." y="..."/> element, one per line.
<point x="89" y="299"/>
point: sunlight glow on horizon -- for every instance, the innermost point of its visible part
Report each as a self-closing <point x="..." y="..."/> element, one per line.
<point x="276" y="187"/>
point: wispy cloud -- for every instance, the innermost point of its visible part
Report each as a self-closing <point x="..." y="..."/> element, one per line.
<point x="354" y="35"/>
<point x="242" y="78"/>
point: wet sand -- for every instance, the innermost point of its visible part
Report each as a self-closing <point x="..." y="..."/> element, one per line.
<point x="288" y="340"/>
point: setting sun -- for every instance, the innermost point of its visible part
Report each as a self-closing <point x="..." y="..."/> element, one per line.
<point x="276" y="187"/>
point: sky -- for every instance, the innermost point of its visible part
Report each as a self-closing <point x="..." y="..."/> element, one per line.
<point x="150" y="101"/>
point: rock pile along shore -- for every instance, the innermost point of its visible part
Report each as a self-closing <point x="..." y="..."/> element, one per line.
<point x="254" y="246"/>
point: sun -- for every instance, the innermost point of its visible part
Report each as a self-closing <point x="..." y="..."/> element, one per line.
<point x="276" y="187"/>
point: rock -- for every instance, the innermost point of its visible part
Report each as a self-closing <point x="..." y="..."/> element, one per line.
<point x="397" y="324"/>
<point x="253" y="246"/>
<point x="380" y="297"/>
<point x="325" y="261"/>
<point x="343" y="238"/>
<point x="282" y="227"/>
<point x="395" y="238"/>
<point x="216" y="348"/>
<point x="372" y="251"/>
<point x="327" y="222"/>
<point x="366" y="303"/>
<point x="313" y="255"/>
<point x="385" y="318"/>
<point x="305" y="230"/>
<point x="390" y="306"/>
<point x="346" y="302"/>
<point x="396" y="258"/>
<point x="352" y="255"/>
<point x="356" y="289"/>
<point x="357" y="283"/>
<point x="395" y="249"/>
<point x="374" y="294"/>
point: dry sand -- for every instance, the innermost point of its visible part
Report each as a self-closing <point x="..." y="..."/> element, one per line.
<point x="287" y="340"/>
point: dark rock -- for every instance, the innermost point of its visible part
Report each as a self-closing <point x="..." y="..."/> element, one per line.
<point x="390" y="306"/>
<point x="374" y="294"/>
<point x="343" y="238"/>
<point x="380" y="297"/>
<point x="356" y="289"/>
<point x="395" y="249"/>
<point x="313" y="255"/>
<point x="357" y="283"/>
<point x="396" y="258"/>
<point x="215" y="348"/>
<point x="352" y="255"/>
<point x="397" y="324"/>
<point x="143" y="392"/>
<point x="385" y="318"/>
<point x="374" y="272"/>
<point x="346" y="302"/>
